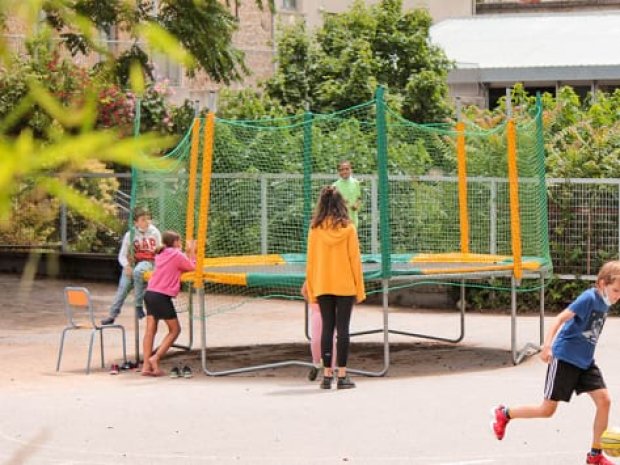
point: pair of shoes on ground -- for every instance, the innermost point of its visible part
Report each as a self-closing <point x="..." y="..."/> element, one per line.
<point x="185" y="372"/>
<point x="129" y="366"/>
<point x="344" y="382"/>
<point x="115" y="369"/>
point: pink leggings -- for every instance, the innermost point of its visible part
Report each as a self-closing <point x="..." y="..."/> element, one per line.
<point x="315" y="335"/>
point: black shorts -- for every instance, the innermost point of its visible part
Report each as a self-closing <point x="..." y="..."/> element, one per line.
<point x="159" y="306"/>
<point x="563" y="378"/>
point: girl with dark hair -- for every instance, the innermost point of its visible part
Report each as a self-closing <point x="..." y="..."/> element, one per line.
<point x="334" y="279"/>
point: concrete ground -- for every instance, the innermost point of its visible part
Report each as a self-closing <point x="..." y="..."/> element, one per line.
<point x="431" y="408"/>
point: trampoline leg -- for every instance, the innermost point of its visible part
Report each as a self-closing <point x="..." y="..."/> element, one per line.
<point x="542" y="310"/>
<point x="459" y="338"/>
<point x="136" y="323"/>
<point x="529" y="348"/>
<point x="190" y="314"/>
<point x="203" y="350"/>
<point x="386" y="341"/>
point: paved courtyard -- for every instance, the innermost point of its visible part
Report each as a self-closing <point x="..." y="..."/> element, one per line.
<point x="432" y="408"/>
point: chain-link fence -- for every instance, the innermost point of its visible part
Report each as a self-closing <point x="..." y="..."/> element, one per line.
<point x="584" y="220"/>
<point x="584" y="224"/>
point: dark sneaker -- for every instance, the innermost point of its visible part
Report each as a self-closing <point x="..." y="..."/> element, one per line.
<point x="175" y="372"/>
<point x="313" y="373"/>
<point x="187" y="372"/>
<point x="327" y="382"/>
<point x="114" y="369"/>
<point x="108" y="321"/>
<point x="140" y="313"/>
<point x="598" y="459"/>
<point x="345" y="383"/>
<point x="500" y="421"/>
<point x="127" y="366"/>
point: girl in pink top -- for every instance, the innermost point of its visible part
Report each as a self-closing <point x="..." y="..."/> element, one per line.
<point x="165" y="283"/>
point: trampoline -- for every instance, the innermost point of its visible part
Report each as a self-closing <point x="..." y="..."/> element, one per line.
<point x="477" y="210"/>
<point x="289" y="270"/>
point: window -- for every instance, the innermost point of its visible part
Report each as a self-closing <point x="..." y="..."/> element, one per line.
<point x="289" y="4"/>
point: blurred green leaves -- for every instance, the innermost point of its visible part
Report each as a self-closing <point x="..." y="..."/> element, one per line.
<point x="66" y="138"/>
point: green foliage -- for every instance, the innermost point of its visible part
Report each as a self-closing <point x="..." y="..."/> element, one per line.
<point x="204" y="29"/>
<point x="48" y="118"/>
<point x="581" y="141"/>
<point x="248" y="104"/>
<point x="352" y="53"/>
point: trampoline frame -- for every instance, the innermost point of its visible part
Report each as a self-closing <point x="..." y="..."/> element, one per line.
<point x="518" y="354"/>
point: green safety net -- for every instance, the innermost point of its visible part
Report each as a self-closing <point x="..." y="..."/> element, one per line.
<point x="266" y="176"/>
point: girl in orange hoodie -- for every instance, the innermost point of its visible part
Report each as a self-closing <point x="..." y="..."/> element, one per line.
<point x="334" y="279"/>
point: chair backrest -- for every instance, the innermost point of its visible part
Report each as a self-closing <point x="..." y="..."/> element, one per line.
<point x="78" y="301"/>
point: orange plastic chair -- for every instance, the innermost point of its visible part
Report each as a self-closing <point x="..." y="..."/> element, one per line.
<point x="78" y="301"/>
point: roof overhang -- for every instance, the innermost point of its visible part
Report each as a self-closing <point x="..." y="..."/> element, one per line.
<point x="550" y="74"/>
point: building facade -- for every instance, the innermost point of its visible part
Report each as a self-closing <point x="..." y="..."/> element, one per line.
<point x="544" y="44"/>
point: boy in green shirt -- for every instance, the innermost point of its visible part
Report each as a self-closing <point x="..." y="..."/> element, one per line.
<point x="350" y="189"/>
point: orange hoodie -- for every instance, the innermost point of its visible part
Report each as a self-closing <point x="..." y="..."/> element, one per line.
<point x="334" y="264"/>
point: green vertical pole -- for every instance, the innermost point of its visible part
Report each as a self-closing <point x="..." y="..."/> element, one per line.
<point x="384" y="188"/>
<point x="132" y="205"/>
<point x="542" y="183"/>
<point x="307" y="182"/>
<point x="134" y="174"/>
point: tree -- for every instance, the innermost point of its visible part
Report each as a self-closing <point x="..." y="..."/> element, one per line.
<point x="63" y="137"/>
<point x="204" y="27"/>
<point x="342" y="63"/>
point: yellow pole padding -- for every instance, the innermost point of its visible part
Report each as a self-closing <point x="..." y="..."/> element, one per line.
<point x="205" y="197"/>
<point x="462" y="175"/>
<point x="193" y="168"/>
<point x="513" y="183"/>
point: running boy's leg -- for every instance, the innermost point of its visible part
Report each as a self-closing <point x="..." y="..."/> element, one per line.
<point x="602" y="401"/>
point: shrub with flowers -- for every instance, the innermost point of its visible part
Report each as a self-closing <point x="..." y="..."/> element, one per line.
<point x="156" y="114"/>
<point x="116" y="109"/>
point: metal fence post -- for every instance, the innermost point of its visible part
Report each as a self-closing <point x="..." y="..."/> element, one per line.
<point x="63" y="228"/>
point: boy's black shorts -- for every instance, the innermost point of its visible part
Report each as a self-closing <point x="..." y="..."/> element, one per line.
<point x="563" y="378"/>
<point x="159" y="306"/>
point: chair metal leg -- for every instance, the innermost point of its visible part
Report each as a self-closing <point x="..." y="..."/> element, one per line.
<point x="90" y="350"/>
<point x="102" y="355"/>
<point x="124" y="344"/>
<point x="61" y="348"/>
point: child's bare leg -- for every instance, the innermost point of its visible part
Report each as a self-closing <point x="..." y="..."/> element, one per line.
<point x="147" y="344"/>
<point x="544" y="410"/>
<point x="174" y="329"/>
<point x="601" y="418"/>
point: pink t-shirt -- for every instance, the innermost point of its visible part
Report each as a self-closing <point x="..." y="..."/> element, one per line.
<point x="169" y="264"/>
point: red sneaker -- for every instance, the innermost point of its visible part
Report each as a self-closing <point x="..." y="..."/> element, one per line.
<point x="500" y="420"/>
<point x="598" y="459"/>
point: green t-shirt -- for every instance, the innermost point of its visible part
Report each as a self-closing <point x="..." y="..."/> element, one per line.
<point x="351" y="191"/>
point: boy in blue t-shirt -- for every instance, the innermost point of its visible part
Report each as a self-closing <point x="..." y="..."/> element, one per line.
<point x="570" y="356"/>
